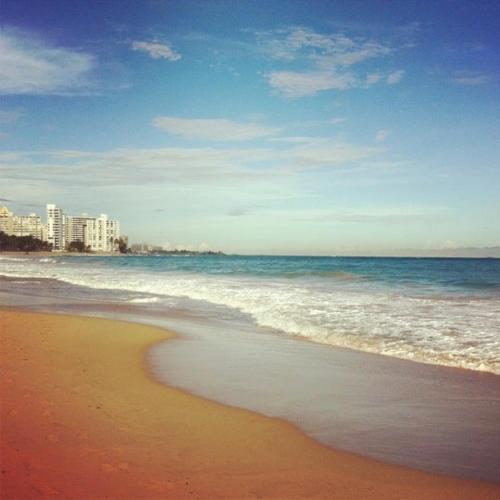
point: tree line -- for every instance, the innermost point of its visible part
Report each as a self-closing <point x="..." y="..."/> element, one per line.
<point x="11" y="243"/>
<point x="22" y="244"/>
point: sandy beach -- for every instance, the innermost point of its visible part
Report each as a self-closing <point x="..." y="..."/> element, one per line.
<point x="83" y="418"/>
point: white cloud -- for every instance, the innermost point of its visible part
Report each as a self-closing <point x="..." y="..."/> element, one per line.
<point x="316" y="155"/>
<point x="130" y="166"/>
<point x="212" y="129"/>
<point x="373" y="78"/>
<point x="336" y="121"/>
<point x="395" y="77"/>
<point x="386" y="214"/>
<point x="295" y="84"/>
<point x="381" y="135"/>
<point x="298" y="139"/>
<point x="331" y="49"/>
<point x="471" y="78"/>
<point x="31" y="66"/>
<point x="330" y="61"/>
<point x="157" y="50"/>
<point x="177" y="166"/>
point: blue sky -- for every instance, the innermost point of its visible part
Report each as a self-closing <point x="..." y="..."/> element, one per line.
<point x="289" y="127"/>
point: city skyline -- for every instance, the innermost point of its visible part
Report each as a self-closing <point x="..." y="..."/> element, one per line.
<point x="281" y="127"/>
<point x="62" y="231"/>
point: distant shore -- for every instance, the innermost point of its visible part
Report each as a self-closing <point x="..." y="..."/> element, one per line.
<point x="82" y="418"/>
<point x="486" y="254"/>
<point x="59" y="253"/>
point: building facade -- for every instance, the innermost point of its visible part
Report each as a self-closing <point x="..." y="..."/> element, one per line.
<point x="102" y="234"/>
<point x="29" y="225"/>
<point x="99" y="234"/>
<point x="6" y="221"/>
<point x="56" y="233"/>
<point x="76" y="227"/>
<point x="22" y="225"/>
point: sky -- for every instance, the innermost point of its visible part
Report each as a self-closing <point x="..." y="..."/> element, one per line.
<point x="271" y="127"/>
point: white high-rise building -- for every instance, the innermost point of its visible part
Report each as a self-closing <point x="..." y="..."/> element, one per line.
<point x="75" y="227"/>
<point x="56" y="234"/>
<point x="101" y="233"/>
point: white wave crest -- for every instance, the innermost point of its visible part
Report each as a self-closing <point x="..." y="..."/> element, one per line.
<point x="460" y="332"/>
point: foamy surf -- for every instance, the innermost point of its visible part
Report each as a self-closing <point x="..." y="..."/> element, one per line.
<point x="394" y="313"/>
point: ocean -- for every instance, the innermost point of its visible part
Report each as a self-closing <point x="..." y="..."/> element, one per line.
<point x="439" y="311"/>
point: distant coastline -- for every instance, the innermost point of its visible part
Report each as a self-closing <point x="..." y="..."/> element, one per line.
<point x="436" y="254"/>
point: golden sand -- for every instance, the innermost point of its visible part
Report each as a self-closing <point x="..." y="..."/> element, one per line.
<point x="81" y="417"/>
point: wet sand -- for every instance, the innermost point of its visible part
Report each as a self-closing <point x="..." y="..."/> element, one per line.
<point x="81" y="417"/>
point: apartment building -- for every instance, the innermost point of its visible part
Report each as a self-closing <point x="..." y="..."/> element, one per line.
<point x="56" y="227"/>
<point x="6" y="221"/>
<point x="101" y="233"/>
<point x="76" y="227"/>
<point x="22" y="225"/>
<point x="29" y="225"/>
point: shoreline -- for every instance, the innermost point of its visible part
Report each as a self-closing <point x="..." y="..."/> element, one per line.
<point x="94" y="423"/>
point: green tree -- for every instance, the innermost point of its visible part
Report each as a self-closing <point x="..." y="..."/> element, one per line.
<point x="11" y="243"/>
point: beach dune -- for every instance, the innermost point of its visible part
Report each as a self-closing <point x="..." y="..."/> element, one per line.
<point x="82" y="417"/>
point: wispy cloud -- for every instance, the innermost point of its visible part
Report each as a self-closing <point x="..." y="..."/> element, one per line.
<point x="130" y="166"/>
<point x="376" y="214"/>
<point x="179" y="166"/>
<point x="10" y="116"/>
<point x="297" y="84"/>
<point x="471" y="78"/>
<point x="330" y="154"/>
<point x="395" y="76"/>
<point x="29" y="65"/>
<point x="329" y="58"/>
<point x="213" y="129"/>
<point x="373" y="78"/>
<point x="331" y="49"/>
<point x="156" y="50"/>
<point x="381" y="135"/>
<point x="336" y="121"/>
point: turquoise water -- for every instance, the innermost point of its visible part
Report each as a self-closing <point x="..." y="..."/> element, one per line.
<point x="440" y="311"/>
<point x="454" y="275"/>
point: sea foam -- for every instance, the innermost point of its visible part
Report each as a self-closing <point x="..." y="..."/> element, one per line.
<point x="338" y="308"/>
